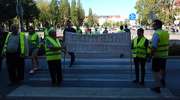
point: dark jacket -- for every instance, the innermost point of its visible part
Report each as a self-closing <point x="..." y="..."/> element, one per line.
<point x="2" y="40"/>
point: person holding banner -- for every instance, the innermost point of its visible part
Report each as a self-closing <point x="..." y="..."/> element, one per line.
<point x="2" y="40"/>
<point x="14" y="50"/>
<point x="121" y="29"/>
<point x="159" y="52"/>
<point x="126" y="29"/>
<point x="69" y="28"/>
<point x="53" y="56"/>
<point x="140" y="53"/>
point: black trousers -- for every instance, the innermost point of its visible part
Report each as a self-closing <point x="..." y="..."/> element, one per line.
<point x="159" y="64"/>
<point x="1" y="58"/>
<point x="140" y="64"/>
<point x="55" y="71"/>
<point x="72" y="58"/>
<point x="15" y="65"/>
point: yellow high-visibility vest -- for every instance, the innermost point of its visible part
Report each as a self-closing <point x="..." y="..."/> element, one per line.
<point x="139" y="50"/>
<point x="51" y="54"/>
<point x="163" y="44"/>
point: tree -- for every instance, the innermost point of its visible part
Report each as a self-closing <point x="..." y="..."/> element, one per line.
<point x="92" y="18"/>
<point x="161" y="9"/>
<point x="74" y="13"/>
<point x="81" y="13"/>
<point x="54" y="12"/>
<point x="64" y="12"/>
<point x="30" y="11"/>
<point x="44" y="8"/>
<point x="8" y="10"/>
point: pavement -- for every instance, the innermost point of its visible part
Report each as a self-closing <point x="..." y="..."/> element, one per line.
<point x="92" y="79"/>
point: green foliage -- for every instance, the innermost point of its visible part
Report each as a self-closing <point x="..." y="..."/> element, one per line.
<point x="81" y="13"/>
<point x="8" y="10"/>
<point x="64" y="12"/>
<point x="74" y="13"/>
<point x="92" y="19"/>
<point x="44" y="11"/>
<point x="162" y="9"/>
<point x="30" y="11"/>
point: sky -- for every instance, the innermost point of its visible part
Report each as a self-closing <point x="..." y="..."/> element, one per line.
<point x="109" y="7"/>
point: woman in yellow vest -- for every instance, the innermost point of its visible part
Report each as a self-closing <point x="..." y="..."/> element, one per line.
<point x="14" y="50"/>
<point x="53" y="56"/>
<point x="159" y="52"/>
<point x="33" y="41"/>
<point x="140" y="53"/>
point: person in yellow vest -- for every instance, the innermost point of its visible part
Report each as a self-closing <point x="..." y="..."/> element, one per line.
<point x="14" y="50"/>
<point x="121" y="29"/>
<point x="140" y="53"/>
<point x="53" y="56"/>
<point x="33" y="41"/>
<point x="159" y="52"/>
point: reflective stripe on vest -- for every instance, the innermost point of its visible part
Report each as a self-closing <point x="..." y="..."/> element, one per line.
<point x="22" y="37"/>
<point x="121" y="31"/>
<point x="34" y="39"/>
<point x="22" y="44"/>
<point x="51" y="54"/>
<point x="163" y="45"/>
<point x="139" y="50"/>
<point x="5" y="44"/>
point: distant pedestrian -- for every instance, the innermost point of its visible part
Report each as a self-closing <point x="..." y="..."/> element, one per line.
<point x="160" y="45"/>
<point x="126" y="29"/>
<point x="140" y="54"/>
<point x="105" y="31"/>
<point x="121" y="29"/>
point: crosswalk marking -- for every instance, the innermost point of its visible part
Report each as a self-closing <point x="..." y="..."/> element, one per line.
<point x="82" y="92"/>
<point x="95" y="78"/>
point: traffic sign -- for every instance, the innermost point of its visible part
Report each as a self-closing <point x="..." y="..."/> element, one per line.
<point x="132" y="16"/>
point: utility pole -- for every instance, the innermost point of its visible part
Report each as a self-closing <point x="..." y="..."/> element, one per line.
<point x="19" y="11"/>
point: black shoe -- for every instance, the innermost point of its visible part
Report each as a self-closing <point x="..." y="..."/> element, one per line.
<point x="70" y="65"/>
<point x="135" y="81"/>
<point x="14" y="84"/>
<point x="141" y="83"/>
<point x="55" y="85"/>
<point x="163" y="82"/>
<point x="156" y="90"/>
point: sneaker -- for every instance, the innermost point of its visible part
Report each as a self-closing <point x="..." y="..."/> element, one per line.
<point x="141" y="83"/>
<point x="70" y="65"/>
<point x="156" y="90"/>
<point x="32" y="71"/>
<point x="163" y="82"/>
<point x="35" y="69"/>
<point x="135" y="81"/>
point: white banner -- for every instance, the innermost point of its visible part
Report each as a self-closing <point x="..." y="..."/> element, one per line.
<point x="116" y="43"/>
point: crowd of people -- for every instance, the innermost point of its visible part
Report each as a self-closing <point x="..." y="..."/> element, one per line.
<point x="12" y="47"/>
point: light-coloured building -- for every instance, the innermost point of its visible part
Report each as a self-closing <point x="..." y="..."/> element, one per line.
<point x="109" y="18"/>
